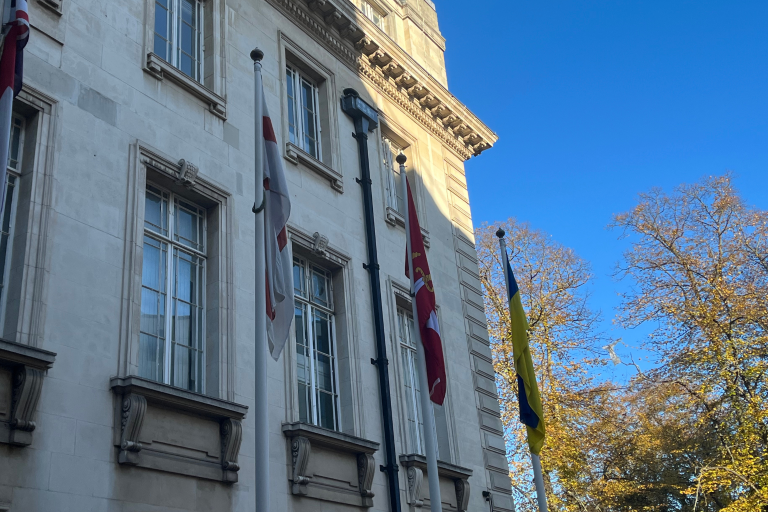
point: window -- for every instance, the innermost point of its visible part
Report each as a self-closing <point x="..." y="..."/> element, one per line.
<point x="315" y="345"/>
<point x="303" y="112"/>
<point x="179" y="35"/>
<point x="8" y="213"/>
<point x="395" y="199"/>
<point x="372" y="14"/>
<point x="172" y="332"/>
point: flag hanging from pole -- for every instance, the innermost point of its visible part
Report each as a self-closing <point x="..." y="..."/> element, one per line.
<point x="425" y="304"/>
<point x="531" y="411"/>
<point x="279" y="263"/>
<point x="11" y="71"/>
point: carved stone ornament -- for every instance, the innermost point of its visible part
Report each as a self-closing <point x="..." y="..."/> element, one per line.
<point x="27" y="385"/>
<point x="415" y="479"/>
<point x="462" y="494"/>
<point x="231" y="437"/>
<point x="366" y="465"/>
<point x="301" y="448"/>
<point x="132" y="418"/>
<point x="319" y="244"/>
<point x="187" y="173"/>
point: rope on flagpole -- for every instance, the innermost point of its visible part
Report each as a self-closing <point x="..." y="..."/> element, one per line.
<point x="538" y="480"/>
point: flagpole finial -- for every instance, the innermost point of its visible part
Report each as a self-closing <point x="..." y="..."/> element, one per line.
<point x="401" y="158"/>
<point x="257" y="55"/>
<point x="500" y="233"/>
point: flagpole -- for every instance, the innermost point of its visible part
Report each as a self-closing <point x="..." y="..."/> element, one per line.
<point x="260" y="413"/>
<point x="538" y="479"/>
<point x="426" y="403"/>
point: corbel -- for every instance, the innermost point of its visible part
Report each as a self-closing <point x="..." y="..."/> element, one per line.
<point x="351" y="31"/>
<point x="319" y="244"/>
<point x="471" y="139"/>
<point x="300" y="452"/>
<point x="462" y="494"/>
<point x="134" y="408"/>
<point x="393" y="69"/>
<point x="415" y="479"/>
<point x="332" y="19"/>
<point x="27" y="385"/>
<point x="451" y="120"/>
<point x="479" y="148"/>
<point x="429" y="101"/>
<point x="231" y="436"/>
<point x="187" y="173"/>
<point x="380" y="58"/>
<point x="461" y="129"/>
<point x="406" y="80"/>
<point x="418" y="91"/>
<point x="366" y="45"/>
<point x="317" y="5"/>
<point x="440" y="111"/>
<point x="366" y="468"/>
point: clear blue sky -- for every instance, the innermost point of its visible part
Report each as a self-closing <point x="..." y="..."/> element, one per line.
<point x="595" y="101"/>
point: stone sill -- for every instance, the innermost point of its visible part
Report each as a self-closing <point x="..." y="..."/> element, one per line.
<point x="184" y="433"/>
<point x="416" y="470"/>
<point x="329" y="438"/>
<point x="22" y="369"/>
<point x="161" y="69"/>
<point x="395" y="218"/>
<point x="296" y="155"/>
<point x="52" y="5"/>
<point x="177" y="398"/>
<point x="12" y="353"/>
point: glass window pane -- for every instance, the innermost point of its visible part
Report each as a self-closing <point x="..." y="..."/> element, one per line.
<point x="185" y="64"/>
<point x="153" y="298"/>
<point x="189" y="222"/>
<point x="187" y="39"/>
<point x="326" y="414"/>
<point x="324" y="372"/>
<point x="322" y="331"/>
<point x="150" y="357"/>
<point x="320" y="288"/>
<point x="183" y="376"/>
<point x="298" y="279"/>
<point x="188" y="12"/>
<point x="15" y="144"/>
<point x="5" y="233"/>
<point x="291" y="95"/>
<point x="156" y="210"/>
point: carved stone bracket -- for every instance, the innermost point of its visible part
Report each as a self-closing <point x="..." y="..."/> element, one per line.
<point x="133" y="409"/>
<point x="301" y="448"/>
<point x="326" y="451"/>
<point x="415" y="479"/>
<point x="231" y="437"/>
<point x="462" y="494"/>
<point x="187" y="173"/>
<point x="22" y="369"/>
<point x="319" y="244"/>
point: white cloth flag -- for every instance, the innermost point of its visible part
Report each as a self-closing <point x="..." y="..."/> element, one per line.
<point x="11" y="67"/>
<point x="279" y="262"/>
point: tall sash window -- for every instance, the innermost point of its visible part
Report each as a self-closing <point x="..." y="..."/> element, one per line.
<point x="179" y="35"/>
<point x="395" y="198"/>
<point x="8" y="213"/>
<point x="172" y="334"/>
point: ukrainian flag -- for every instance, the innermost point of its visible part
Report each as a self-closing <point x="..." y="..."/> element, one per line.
<point x="531" y="412"/>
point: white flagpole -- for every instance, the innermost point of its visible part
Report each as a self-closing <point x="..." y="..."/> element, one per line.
<point x="426" y="404"/>
<point x="260" y="412"/>
<point x="538" y="480"/>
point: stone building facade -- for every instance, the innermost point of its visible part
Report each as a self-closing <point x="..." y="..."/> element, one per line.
<point x="126" y="261"/>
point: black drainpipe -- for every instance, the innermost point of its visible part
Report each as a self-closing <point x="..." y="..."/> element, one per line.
<point x="367" y="119"/>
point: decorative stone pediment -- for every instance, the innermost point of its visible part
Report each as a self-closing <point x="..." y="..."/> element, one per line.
<point x="418" y="492"/>
<point x="329" y="465"/>
<point x="363" y="47"/>
<point x="22" y="369"/>
<point x="161" y="427"/>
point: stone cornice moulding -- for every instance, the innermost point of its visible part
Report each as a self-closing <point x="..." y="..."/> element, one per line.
<point x="391" y="70"/>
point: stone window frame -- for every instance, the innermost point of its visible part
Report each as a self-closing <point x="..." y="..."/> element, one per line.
<point x="316" y="248"/>
<point x="30" y="250"/>
<point x="399" y="296"/>
<point x="213" y="89"/>
<point x="410" y="148"/>
<point x="328" y="166"/>
<point x="151" y="165"/>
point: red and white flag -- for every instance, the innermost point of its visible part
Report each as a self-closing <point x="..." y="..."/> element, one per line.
<point x="11" y="68"/>
<point x="424" y="292"/>
<point x="279" y="262"/>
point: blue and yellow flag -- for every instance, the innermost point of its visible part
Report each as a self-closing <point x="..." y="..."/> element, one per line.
<point x="531" y="412"/>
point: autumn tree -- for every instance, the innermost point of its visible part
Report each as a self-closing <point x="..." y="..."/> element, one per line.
<point x="698" y="264"/>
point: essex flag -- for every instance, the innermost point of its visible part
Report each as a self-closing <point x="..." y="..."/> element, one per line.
<point x="531" y="411"/>
<point x="425" y="305"/>
<point x="11" y="70"/>
<point x="279" y="263"/>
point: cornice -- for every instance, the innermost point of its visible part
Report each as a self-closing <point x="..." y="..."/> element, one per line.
<point x="392" y="71"/>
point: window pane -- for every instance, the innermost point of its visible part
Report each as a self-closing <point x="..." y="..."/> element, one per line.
<point x="309" y="113"/>
<point x="188" y="12"/>
<point x="326" y="414"/>
<point x="298" y="279"/>
<point x="187" y="39"/>
<point x="322" y="330"/>
<point x="185" y="64"/>
<point x="302" y="363"/>
<point x="153" y="298"/>
<point x="15" y="144"/>
<point x="156" y="210"/>
<point x="320" y="288"/>
<point x="183" y="368"/>
<point x="188" y="228"/>
<point x="150" y="357"/>
<point x="291" y="94"/>
<point x="5" y="234"/>
<point x="162" y="29"/>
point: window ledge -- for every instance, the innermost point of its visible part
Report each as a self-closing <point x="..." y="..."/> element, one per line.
<point x="161" y="69"/>
<point x="149" y="417"/>
<point x="416" y="468"/>
<point x="395" y="218"/>
<point x="296" y="155"/>
<point x="326" y="477"/>
<point x="52" y="5"/>
<point x="22" y="368"/>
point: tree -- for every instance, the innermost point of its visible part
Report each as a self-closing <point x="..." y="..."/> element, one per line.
<point x="699" y="265"/>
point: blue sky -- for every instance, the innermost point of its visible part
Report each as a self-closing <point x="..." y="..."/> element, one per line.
<point x="596" y="101"/>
